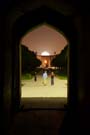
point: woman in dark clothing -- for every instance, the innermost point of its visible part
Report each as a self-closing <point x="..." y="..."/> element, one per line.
<point x="35" y="77"/>
<point x="52" y="78"/>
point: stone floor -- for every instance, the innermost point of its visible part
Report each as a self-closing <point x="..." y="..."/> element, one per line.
<point x="37" y="122"/>
<point x="42" y="108"/>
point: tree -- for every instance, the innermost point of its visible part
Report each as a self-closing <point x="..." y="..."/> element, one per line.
<point x="61" y="59"/>
<point x="29" y="60"/>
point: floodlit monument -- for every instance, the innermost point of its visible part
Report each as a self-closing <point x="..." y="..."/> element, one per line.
<point x="46" y="59"/>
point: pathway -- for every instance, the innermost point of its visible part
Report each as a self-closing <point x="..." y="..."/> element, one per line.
<point x="30" y="88"/>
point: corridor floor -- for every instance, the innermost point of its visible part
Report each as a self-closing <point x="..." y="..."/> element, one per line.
<point x="37" y="122"/>
<point x="43" y="108"/>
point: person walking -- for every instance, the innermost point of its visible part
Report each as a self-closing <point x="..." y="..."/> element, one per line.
<point x="45" y="77"/>
<point x="35" y="76"/>
<point x="52" y="78"/>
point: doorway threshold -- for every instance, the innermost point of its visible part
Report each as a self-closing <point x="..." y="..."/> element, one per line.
<point x="43" y="103"/>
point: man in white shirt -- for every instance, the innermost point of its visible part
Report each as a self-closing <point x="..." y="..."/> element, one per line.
<point x="45" y="77"/>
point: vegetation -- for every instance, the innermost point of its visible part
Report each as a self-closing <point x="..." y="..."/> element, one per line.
<point x="60" y="60"/>
<point x="61" y="74"/>
<point x="29" y="60"/>
<point x="26" y="76"/>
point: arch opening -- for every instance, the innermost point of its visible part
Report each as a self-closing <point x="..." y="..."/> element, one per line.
<point x="40" y="39"/>
<point x="68" y="30"/>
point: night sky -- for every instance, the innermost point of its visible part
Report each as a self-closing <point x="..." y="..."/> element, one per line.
<point x="44" y="38"/>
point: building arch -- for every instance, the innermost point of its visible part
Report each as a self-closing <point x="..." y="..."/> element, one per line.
<point x="62" y="23"/>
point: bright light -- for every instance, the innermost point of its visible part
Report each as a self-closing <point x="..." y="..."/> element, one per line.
<point x="45" y="61"/>
<point x="45" y="53"/>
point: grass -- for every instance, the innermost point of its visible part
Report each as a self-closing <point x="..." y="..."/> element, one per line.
<point x="26" y="76"/>
<point x="61" y="75"/>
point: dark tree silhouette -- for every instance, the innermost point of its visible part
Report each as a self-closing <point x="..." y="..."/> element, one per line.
<point x="29" y="60"/>
<point x="60" y="60"/>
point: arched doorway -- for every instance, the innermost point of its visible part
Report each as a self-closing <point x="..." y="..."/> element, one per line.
<point x="61" y="22"/>
<point x="43" y="37"/>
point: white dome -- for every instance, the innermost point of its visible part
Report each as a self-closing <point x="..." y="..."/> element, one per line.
<point x="45" y="53"/>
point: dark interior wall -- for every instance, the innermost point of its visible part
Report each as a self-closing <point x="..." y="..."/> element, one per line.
<point x="84" y="72"/>
<point x="79" y="66"/>
<point x="5" y="74"/>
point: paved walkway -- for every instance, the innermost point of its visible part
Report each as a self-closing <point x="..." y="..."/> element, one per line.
<point x="30" y="88"/>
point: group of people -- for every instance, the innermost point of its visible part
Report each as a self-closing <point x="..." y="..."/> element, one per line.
<point x="45" y="76"/>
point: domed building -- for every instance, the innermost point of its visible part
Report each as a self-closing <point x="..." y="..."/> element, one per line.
<point x="46" y="59"/>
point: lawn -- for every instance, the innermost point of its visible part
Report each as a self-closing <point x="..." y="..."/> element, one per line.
<point x="26" y="76"/>
<point x="61" y="75"/>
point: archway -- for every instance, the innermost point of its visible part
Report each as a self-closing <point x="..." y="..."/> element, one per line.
<point x="43" y="37"/>
<point x="61" y="22"/>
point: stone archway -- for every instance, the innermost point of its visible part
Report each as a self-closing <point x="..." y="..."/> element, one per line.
<point x="62" y="23"/>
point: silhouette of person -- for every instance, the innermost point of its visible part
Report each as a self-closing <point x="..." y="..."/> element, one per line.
<point x="45" y="77"/>
<point x="35" y="76"/>
<point x="52" y="78"/>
